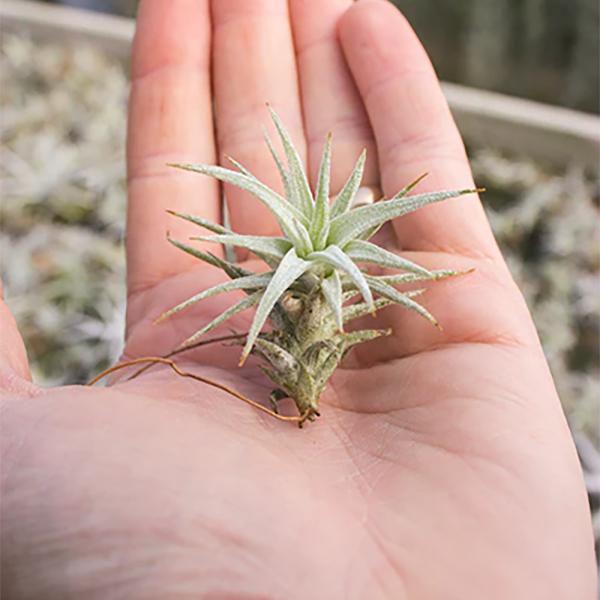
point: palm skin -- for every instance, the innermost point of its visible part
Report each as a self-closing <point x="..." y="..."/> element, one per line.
<point x="441" y="467"/>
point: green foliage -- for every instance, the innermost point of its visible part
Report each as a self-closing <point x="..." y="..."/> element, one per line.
<point x="331" y="248"/>
<point x="319" y="255"/>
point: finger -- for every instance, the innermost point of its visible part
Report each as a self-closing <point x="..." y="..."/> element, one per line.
<point x="253" y="63"/>
<point x="170" y="120"/>
<point x="330" y="100"/>
<point x="414" y="129"/>
<point x="483" y="306"/>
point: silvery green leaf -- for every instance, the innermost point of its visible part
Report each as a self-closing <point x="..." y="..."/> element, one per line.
<point x="387" y="291"/>
<point x="250" y="282"/>
<point x="234" y="271"/>
<point x="332" y="290"/>
<point x="369" y="233"/>
<point x="348" y="294"/>
<point x="279" y="358"/>
<point x="296" y="168"/>
<point x="266" y="195"/>
<point x="288" y="217"/>
<point x="364" y="335"/>
<point x="290" y="192"/>
<point x="240" y="166"/>
<point x="319" y="227"/>
<point x="243" y="304"/>
<point x="328" y="366"/>
<point x="334" y="257"/>
<point x="343" y="200"/>
<point x="289" y="269"/>
<point x="200" y="221"/>
<point x="300" y="238"/>
<point x="260" y="245"/>
<point x="410" y="277"/>
<point x="360" y="309"/>
<point x="362" y="251"/>
<point x="351" y="224"/>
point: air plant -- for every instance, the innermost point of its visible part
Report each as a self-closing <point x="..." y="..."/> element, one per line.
<point x="308" y="295"/>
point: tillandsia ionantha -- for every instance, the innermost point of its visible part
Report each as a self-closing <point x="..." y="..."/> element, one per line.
<point x="309" y="294"/>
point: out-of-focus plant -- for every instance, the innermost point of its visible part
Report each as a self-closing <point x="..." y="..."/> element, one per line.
<point x="63" y="199"/>
<point x="547" y="224"/>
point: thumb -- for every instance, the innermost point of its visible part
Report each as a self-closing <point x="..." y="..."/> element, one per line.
<point x="13" y="357"/>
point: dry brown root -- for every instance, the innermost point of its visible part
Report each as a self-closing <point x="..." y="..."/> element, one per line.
<point x="223" y="338"/>
<point x="152" y="360"/>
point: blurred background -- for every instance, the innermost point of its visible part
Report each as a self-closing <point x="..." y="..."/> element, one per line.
<point x="62" y="129"/>
<point x="547" y="50"/>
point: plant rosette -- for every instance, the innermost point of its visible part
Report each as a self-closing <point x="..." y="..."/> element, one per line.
<point x="317" y="282"/>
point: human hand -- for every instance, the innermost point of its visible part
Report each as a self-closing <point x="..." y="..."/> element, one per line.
<point x="442" y="465"/>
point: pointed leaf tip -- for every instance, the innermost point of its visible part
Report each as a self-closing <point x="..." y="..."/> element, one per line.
<point x="348" y="226"/>
<point x="249" y="282"/>
<point x="343" y="200"/>
<point x="418" y="180"/>
<point x="319" y="227"/>
<point x="296" y="168"/>
<point x="239" y="166"/>
<point x="233" y="310"/>
<point x="387" y="291"/>
<point x="289" y="217"/>
<point x="411" y="186"/>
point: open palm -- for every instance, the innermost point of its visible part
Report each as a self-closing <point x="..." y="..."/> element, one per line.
<point x="442" y="466"/>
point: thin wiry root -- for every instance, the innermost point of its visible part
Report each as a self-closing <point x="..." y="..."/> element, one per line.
<point x="170" y="363"/>
<point x="223" y="338"/>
